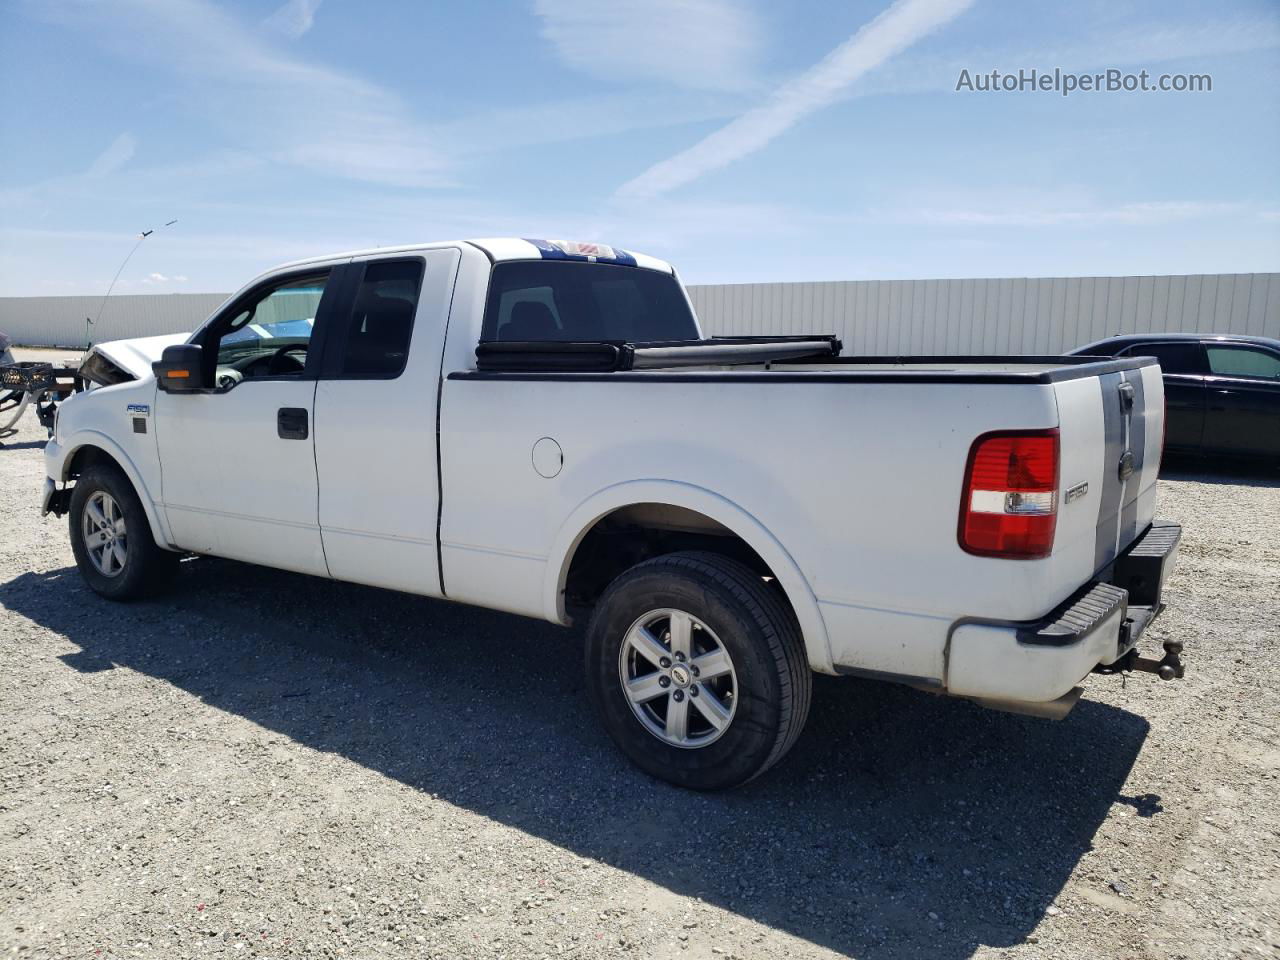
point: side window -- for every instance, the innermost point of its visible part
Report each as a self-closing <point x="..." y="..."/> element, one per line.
<point x="1243" y="362"/>
<point x="269" y="334"/>
<point x="375" y="343"/>
<point x="1173" y="357"/>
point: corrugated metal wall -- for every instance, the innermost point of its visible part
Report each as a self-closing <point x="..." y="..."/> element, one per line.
<point x="871" y="316"/>
<point x="993" y="316"/>
<point x="59" y="321"/>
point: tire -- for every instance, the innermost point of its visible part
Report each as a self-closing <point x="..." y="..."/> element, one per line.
<point x="755" y="710"/>
<point x="129" y="565"/>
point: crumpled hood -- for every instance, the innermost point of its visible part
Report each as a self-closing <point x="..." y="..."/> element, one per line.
<point x="137" y="355"/>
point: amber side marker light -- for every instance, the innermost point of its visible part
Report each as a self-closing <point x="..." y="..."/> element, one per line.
<point x="178" y="374"/>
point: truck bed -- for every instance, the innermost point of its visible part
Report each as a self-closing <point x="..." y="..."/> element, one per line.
<point x="856" y="464"/>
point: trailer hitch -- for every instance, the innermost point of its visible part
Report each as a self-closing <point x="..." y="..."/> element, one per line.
<point x="1168" y="667"/>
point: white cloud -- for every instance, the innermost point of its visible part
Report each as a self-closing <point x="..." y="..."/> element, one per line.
<point x="584" y="118"/>
<point x="705" y="44"/>
<point x="1163" y="41"/>
<point x="153" y="279"/>
<point x="114" y="157"/>
<point x="293" y="19"/>
<point x="141" y="183"/>
<point x="903" y="23"/>
<point x="284" y="107"/>
<point x="1147" y="213"/>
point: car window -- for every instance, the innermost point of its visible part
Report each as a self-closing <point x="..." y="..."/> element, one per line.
<point x="557" y="300"/>
<point x="376" y="341"/>
<point x="1173" y="357"/>
<point x="1233" y="361"/>
<point x="268" y="336"/>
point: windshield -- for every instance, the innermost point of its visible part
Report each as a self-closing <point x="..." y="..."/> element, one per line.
<point x="540" y="300"/>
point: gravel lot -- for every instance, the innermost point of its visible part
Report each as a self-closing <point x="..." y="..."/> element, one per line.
<point x="262" y="764"/>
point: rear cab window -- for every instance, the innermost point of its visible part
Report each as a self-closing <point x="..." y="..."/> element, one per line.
<point x="548" y="300"/>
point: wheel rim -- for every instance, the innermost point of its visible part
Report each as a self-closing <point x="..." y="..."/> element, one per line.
<point x="105" y="537"/>
<point x="678" y="678"/>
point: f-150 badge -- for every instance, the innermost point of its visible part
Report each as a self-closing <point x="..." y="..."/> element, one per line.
<point x="1076" y="492"/>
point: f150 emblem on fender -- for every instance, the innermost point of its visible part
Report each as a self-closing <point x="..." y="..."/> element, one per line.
<point x="1076" y="492"/>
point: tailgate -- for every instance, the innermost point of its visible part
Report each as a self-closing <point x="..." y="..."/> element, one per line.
<point x="1112" y="431"/>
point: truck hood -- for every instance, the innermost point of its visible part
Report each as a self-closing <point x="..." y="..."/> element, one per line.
<point x="136" y="356"/>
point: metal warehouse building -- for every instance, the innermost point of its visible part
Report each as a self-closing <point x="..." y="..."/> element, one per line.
<point x="1047" y="315"/>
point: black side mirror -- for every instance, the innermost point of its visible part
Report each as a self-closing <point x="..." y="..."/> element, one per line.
<point x="180" y="369"/>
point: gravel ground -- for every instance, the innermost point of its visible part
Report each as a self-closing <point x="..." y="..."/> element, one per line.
<point x="262" y="764"/>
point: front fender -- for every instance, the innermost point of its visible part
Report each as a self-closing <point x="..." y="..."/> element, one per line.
<point x="724" y="512"/>
<point x="60" y="455"/>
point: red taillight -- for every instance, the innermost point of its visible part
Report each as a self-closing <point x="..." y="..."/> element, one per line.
<point x="1010" y="502"/>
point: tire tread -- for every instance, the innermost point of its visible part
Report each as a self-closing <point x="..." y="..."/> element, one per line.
<point x="778" y="624"/>
<point x="152" y="566"/>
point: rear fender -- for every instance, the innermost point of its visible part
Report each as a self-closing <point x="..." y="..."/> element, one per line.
<point x="725" y="512"/>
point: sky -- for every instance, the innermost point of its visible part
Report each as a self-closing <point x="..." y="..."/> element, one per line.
<point x="742" y="140"/>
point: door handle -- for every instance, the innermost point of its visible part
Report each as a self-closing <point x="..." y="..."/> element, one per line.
<point x="291" y="423"/>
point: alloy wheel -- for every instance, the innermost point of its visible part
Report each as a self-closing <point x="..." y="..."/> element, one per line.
<point x="105" y="537"/>
<point x="678" y="678"/>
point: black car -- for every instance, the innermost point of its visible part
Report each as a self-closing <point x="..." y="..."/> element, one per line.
<point x="1222" y="393"/>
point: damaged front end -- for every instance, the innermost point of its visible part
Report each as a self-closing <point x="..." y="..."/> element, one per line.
<point x="46" y="385"/>
<point x="100" y="371"/>
<point x="120" y="361"/>
<point x="55" y="499"/>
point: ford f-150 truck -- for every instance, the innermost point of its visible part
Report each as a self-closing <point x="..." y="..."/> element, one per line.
<point x="540" y="427"/>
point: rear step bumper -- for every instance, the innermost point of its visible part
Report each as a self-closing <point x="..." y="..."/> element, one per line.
<point x="1096" y="628"/>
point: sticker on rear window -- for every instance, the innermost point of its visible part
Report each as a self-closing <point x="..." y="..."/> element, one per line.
<point x="591" y="252"/>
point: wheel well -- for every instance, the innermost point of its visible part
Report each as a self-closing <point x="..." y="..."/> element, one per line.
<point x="632" y="534"/>
<point x="86" y="457"/>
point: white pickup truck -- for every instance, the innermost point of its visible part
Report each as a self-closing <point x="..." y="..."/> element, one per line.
<point x="539" y="427"/>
